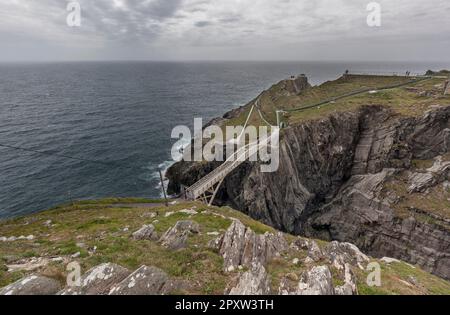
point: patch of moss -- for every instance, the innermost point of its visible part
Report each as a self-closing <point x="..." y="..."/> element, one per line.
<point x="422" y="164"/>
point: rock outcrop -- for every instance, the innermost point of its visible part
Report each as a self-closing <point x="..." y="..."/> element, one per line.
<point x="317" y="281"/>
<point x="32" y="285"/>
<point x="437" y="174"/>
<point x="105" y="279"/>
<point x="176" y="237"/>
<point x="147" y="232"/>
<point x="241" y="247"/>
<point x="144" y="281"/>
<point x="98" y="280"/>
<point x="314" y="251"/>
<point x="349" y="287"/>
<point x="253" y="282"/>
<point x="341" y="255"/>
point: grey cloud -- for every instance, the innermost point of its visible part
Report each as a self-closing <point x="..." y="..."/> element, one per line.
<point x="231" y="19"/>
<point x="159" y="9"/>
<point x="138" y="21"/>
<point x="203" y="23"/>
<point x="150" y="28"/>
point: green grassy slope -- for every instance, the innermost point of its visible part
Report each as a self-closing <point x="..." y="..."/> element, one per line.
<point x="107" y="225"/>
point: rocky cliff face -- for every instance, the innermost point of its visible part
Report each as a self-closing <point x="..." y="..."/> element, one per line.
<point x="333" y="183"/>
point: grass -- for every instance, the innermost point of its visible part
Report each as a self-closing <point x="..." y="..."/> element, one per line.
<point x="96" y="224"/>
<point x="401" y="100"/>
<point x="107" y="226"/>
<point x="276" y="98"/>
<point x="403" y="279"/>
<point x="101" y="224"/>
<point x="435" y="202"/>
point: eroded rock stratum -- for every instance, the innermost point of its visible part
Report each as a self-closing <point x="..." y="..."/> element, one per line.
<point x="368" y="176"/>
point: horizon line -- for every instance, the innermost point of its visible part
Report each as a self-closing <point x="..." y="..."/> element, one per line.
<point x="217" y="60"/>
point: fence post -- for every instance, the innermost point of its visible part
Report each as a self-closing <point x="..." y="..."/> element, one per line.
<point x="163" y="188"/>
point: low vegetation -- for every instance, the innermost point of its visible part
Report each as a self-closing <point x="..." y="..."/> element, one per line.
<point x="95" y="232"/>
<point x="409" y="98"/>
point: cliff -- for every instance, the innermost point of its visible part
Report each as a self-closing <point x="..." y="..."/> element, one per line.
<point x="372" y="169"/>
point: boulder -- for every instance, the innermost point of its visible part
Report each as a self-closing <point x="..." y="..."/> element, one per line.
<point x="240" y="246"/>
<point x="340" y="254"/>
<point x="176" y="237"/>
<point x="144" y="281"/>
<point x="231" y="245"/>
<point x="147" y="232"/>
<point x="252" y="282"/>
<point x="317" y="281"/>
<point x="149" y="215"/>
<point x="98" y="280"/>
<point x="32" y="285"/>
<point x="314" y="251"/>
<point x="176" y="286"/>
<point x="31" y="264"/>
<point x="349" y="287"/>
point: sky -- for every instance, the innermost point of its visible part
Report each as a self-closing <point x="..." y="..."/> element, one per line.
<point x="410" y="30"/>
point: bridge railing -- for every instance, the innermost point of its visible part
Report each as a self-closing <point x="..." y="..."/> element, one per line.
<point x="237" y="158"/>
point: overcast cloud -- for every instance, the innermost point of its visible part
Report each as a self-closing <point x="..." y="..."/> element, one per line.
<point x="225" y="29"/>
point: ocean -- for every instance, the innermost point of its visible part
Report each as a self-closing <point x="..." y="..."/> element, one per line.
<point x="120" y="115"/>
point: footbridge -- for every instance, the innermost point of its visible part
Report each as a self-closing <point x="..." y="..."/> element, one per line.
<point x="207" y="187"/>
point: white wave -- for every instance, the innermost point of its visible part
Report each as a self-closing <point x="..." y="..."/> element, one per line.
<point x="180" y="148"/>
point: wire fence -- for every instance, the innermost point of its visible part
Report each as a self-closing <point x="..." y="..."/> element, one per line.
<point x="385" y="74"/>
<point x="356" y="92"/>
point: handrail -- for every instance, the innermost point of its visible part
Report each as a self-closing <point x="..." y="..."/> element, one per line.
<point x="223" y="165"/>
<point x="236" y="159"/>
